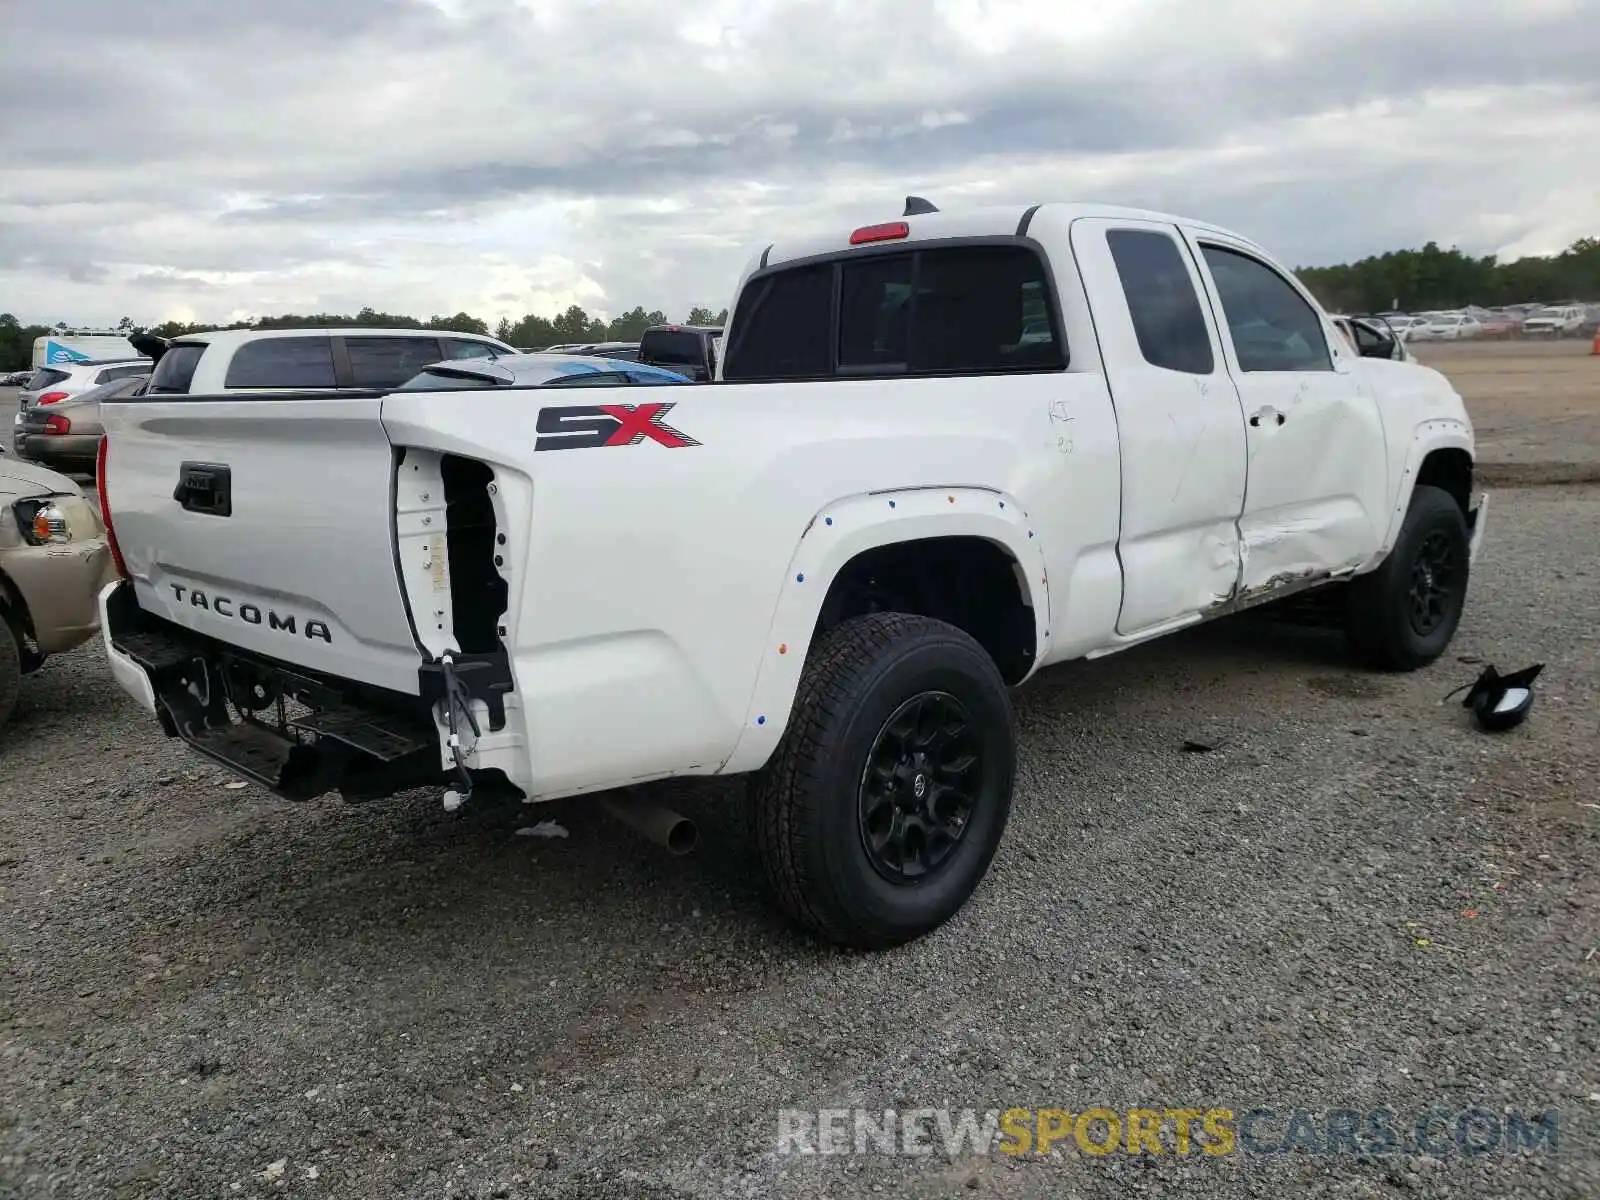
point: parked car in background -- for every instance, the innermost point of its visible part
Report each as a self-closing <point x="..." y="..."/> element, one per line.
<point x="551" y="369"/>
<point x="691" y="349"/>
<point x="66" y="436"/>
<point x="242" y="360"/>
<point x="1562" y="321"/>
<point x="1501" y="325"/>
<point x="1446" y="327"/>
<point x="628" y="351"/>
<point x="1402" y="324"/>
<point x="52" y="385"/>
<point x="53" y="562"/>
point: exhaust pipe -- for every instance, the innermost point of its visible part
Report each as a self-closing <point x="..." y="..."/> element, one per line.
<point x="654" y="820"/>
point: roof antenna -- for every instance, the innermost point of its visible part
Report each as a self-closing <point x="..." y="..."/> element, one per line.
<point x="916" y="206"/>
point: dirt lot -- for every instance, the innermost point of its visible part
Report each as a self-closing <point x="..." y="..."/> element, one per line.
<point x="1354" y="901"/>
<point x="1535" y="406"/>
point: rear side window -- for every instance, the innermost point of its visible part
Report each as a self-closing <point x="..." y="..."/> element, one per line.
<point x="782" y="326"/>
<point x="952" y="311"/>
<point x="1273" y="327"/>
<point x="463" y="348"/>
<point x="1165" y="308"/>
<point x="44" y="377"/>
<point x="287" y="362"/>
<point x="382" y="362"/>
<point x="175" y="372"/>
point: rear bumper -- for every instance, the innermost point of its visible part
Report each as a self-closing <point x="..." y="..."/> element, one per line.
<point x="296" y="734"/>
<point x="130" y="676"/>
<point x="62" y="448"/>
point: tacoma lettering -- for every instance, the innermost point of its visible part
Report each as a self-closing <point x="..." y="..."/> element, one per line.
<point x="250" y="614"/>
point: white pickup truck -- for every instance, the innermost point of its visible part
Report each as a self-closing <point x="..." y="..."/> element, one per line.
<point x="939" y="454"/>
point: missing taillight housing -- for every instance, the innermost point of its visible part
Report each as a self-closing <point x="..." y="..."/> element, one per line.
<point x="105" y="506"/>
<point x="477" y="588"/>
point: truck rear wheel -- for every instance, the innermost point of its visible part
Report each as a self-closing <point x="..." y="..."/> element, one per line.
<point x="1402" y="616"/>
<point x="883" y="805"/>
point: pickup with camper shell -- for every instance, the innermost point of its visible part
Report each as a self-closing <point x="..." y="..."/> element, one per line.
<point x="937" y="454"/>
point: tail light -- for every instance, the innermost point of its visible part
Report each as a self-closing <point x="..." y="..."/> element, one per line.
<point x="57" y="424"/>
<point x="53" y="397"/>
<point x="105" y="506"/>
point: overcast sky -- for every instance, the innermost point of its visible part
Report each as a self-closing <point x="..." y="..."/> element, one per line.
<point x="211" y="159"/>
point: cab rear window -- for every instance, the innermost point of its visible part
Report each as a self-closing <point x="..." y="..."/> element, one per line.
<point x="671" y="346"/>
<point x="976" y="309"/>
<point x="175" y="372"/>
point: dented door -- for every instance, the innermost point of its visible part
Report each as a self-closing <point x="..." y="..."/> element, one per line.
<point x="1180" y="429"/>
<point x="1315" y="495"/>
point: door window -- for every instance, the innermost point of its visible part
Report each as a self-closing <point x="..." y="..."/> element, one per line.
<point x="1272" y="325"/>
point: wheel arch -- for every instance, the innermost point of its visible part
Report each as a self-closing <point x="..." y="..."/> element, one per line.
<point x="910" y="522"/>
<point x="1440" y="455"/>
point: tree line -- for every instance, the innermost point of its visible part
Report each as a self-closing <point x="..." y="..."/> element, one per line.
<point x="1433" y="278"/>
<point x="1410" y="280"/>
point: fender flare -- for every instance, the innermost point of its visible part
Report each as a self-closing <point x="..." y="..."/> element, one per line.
<point x="1440" y="433"/>
<point x="839" y="532"/>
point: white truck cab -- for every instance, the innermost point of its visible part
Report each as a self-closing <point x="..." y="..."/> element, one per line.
<point x="940" y="452"/>
<point x="277" y="360"/>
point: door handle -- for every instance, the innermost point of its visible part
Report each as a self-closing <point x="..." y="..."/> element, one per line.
<point x="1266" y="414"/>
<point x="205" y="488"/>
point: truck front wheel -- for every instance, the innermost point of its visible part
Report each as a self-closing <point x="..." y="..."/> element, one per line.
<point x="883" y="805"/>
<point x="1403" y="615"/>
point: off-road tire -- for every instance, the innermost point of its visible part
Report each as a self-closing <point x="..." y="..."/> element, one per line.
<point x="10" y="670"/>
<point x="807" y="821"/>
<point x="1378" y="606"/>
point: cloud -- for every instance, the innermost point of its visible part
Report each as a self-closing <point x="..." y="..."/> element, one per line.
<point x="508" y="155"/>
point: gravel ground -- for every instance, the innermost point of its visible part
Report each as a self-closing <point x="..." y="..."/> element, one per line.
<point x="212" y="993"/>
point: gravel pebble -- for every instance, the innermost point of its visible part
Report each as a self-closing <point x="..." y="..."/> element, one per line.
<point x="210" y="992"/>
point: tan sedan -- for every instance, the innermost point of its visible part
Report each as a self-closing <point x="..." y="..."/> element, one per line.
<point x="54" y="559"/>
<point x="66" y="435"/>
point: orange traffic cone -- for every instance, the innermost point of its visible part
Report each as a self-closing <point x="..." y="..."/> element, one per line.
<point x="1594" y="350"/>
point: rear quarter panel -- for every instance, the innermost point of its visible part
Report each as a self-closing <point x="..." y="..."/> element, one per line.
<point x="645" y="582"/>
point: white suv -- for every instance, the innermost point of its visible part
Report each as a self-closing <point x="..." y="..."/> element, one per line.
<point x="244" y="360"/>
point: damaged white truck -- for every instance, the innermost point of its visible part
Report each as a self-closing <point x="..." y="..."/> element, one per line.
<point x="939" y="454"/>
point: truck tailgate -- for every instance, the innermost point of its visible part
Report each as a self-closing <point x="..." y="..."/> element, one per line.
<point x="266" y="522"/>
